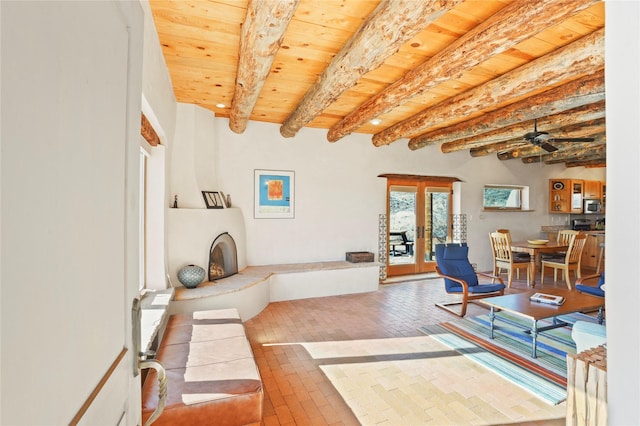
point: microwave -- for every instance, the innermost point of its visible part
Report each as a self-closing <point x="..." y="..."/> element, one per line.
<point x="591" y="206"/>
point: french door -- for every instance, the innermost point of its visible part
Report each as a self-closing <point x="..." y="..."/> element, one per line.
<point x="418" y="218"/>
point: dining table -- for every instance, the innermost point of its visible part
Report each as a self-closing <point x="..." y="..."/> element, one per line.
<point x="535" y="250"/>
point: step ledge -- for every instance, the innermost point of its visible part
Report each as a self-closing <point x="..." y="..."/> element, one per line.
<point x="253" y="275"/>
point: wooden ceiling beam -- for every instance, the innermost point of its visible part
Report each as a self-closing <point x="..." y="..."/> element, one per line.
<point x="262" y="34"/>
<point x="481" y="151"/>
<point x="583" y="91"/>
<point x="512" y="145"/>
<point x="584" y="156"/>
<point x="148" y="132"/>
<point x="566" y="118"/>
<point x="589" y="164"/>
<point x="595" y="149"/>
<point x="595" y="127"/>
<point x="570" y="62"/>
<point x="533" y="151"/>
<point x="494" y="36"/>
<point x="386" y="29"/>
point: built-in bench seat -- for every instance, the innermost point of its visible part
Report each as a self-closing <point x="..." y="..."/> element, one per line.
<point x="251" y="289"/>
<point x="212" y="377"/>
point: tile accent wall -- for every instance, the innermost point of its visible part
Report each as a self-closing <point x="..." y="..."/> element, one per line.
<point x="459" y="228"/>
<point x="382" y="244"/>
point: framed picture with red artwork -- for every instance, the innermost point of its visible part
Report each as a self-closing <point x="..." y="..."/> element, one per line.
<point x="274" y="194"/>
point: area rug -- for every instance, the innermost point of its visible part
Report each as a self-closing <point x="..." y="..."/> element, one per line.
<point x="509" y="353"/>
<point x="419" y="381"/>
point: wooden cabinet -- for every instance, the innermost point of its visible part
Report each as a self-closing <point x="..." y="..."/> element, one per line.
<point x="591" y="251"/>
<point x="559" y="195"/>
<point x="592" y="189"/>
<point x="566" y="195"/>
<point x="576" y="195"/>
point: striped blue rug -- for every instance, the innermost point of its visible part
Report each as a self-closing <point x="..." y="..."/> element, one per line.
<point x="509" y="353"/>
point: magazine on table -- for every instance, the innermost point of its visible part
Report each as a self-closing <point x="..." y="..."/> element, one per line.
<point x="551" y="299"/>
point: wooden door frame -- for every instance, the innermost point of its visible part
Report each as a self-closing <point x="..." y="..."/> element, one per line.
<point x="421" y="183"/>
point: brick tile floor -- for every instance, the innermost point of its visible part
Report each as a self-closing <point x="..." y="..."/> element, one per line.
<point x="297" y="392"/>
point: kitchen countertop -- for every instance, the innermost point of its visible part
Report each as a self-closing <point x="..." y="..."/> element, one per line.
<point x="556" y="228"/>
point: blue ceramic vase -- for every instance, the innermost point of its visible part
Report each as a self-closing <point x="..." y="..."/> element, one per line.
<point x="191" y="275"/>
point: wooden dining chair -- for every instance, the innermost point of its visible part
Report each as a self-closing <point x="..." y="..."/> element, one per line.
<point x="564" y="237"/>
<point x="570" y="262"/>
<point x="518" y="256"/>
<point x="503" y="257"/>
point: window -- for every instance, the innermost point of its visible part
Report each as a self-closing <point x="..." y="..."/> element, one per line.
<point x="503" y="197"/>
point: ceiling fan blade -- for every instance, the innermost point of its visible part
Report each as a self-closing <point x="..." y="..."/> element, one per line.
<point x="571" y="139"/>
<point x="548" y="147"/>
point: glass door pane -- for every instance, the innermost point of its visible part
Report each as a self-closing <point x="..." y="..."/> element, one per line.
<point x="419" y="212"/>
<point x="436" y="221"/>
<point x="402" y="225"/>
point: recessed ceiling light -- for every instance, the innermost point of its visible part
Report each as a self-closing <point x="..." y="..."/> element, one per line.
<point x="376" y="121"/>
<point x="221" y="105"/>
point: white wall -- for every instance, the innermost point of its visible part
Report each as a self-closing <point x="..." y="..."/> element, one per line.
<point x="70" y="133"/>
<point x="622" y="47"/>
<point x="338" y="195"/>
<point x="159" y="106"/>
<point x="193" y="166"/>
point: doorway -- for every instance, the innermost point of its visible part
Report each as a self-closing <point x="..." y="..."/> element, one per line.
<point x="418" y="218"/>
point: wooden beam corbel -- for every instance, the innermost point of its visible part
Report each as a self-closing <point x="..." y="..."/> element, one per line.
<point x="388" y="27"/>
<point x="570" y="62"/>
<point x="497" y="34"/>
<point x="148" y="133"/>
<point x="262" y="34"/>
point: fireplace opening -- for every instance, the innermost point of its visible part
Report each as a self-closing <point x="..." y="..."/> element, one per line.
<point x="223" y="257"/>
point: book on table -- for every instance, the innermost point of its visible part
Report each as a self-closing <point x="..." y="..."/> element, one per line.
<point x="551" y="299"/>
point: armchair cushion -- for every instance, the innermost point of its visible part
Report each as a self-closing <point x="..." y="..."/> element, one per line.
<point x="486" y="288"/>
<point x="460" y="277"/>
<point x="452" y="260"/>
<point x="595" y="291"/>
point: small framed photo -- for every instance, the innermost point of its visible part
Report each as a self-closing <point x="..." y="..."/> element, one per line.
<point x="212" y="199"/>
<point x="225" y="200"/>
<point x="274" y="194"/>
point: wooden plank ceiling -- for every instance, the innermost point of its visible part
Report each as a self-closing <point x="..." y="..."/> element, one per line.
<point x="465" y="74"/>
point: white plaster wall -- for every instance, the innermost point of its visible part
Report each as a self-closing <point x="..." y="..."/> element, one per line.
<point x="156" y="209"/>
<point x="338" y="195"/>
<point x="159" y="106"/>
<point x="157" y="90"/>
<point x="193" y="156"/>
<point x="70" y="131"/>
<point x="622" y="80"/>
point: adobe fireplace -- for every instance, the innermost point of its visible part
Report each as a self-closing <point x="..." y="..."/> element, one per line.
<point x="223" y="257"/>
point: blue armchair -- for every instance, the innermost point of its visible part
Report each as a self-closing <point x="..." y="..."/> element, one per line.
<point x="591" y="289"/>
<point x="452" y="263"/>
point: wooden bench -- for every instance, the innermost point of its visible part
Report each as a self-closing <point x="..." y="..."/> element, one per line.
<point x="212" y="377"/>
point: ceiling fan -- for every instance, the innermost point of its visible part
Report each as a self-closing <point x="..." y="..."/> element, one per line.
<point x="542" y="139"/>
